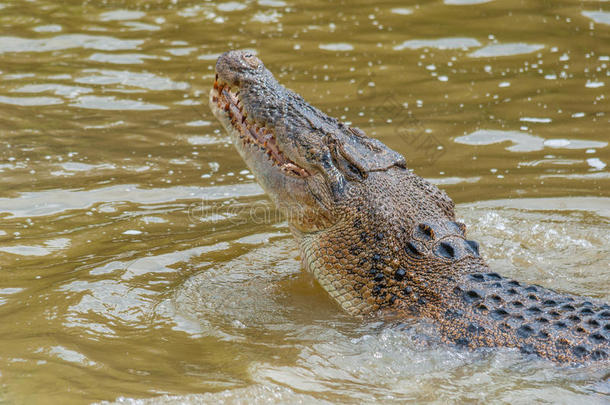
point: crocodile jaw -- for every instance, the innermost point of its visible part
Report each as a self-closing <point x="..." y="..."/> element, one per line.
<point x="289" y="185"/>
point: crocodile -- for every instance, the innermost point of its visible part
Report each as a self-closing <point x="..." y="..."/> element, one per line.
<point x="382" y="240"/>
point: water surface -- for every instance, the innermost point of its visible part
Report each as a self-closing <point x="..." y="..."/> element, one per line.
<point x="140" y="262"/>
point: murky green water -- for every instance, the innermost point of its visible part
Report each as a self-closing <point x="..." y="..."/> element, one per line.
<point x="139" y="260"/>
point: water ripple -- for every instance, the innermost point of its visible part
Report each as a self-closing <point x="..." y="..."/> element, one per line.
<point x="121" y="58"/>
<point x="341" y="46"/>
<point x="126" y="78"/>
<point x="51" y="202"/>
<point x="57" y="89"/>
<point x="30" y="101"/>
<point x="524" y="142"/>
<point x="112" y="103"/>
<point x="61" y="42"/>
<point x="440" y="43"/>
<point x="492" y="51"/>
<point x="601" y="17"/>
<point x="120" y="15"/>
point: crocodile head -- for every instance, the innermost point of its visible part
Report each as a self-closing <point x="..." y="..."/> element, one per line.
<point x="310" y="164"/>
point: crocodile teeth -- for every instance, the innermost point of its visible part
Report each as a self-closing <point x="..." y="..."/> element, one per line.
<point x="254" y="134"/>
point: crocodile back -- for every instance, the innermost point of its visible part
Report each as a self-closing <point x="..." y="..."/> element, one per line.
<point x="486" y="309"/>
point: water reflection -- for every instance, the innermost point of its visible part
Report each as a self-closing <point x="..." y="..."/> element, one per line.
<point x="524" y="142"/>
<point x="496" y="50"/>
<point x="30" y="101"/>
<point x="49" y="247"/>
<point x="441" y="43"/>
<point x="126" y="78"/>
<point x="57" y="89"/>
<point x="600" y="17"/>
<point x="465" y="2"/>
<point x="112" y="103"/>
<point x="52" y="202"/>
<point x="68" y="41"/>
<point x="122" y="59"/>
<point x="121" y="15"/>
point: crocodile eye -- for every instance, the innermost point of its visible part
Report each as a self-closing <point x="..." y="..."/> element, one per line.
<point x="354" y="170"/>
<point x="251" y="60"/>
<point x="346" y="167"/>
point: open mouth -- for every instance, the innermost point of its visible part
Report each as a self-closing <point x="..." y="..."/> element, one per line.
<point x="251" y="133"/>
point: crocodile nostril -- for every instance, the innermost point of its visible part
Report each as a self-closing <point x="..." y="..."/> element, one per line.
<point x="473" y="246"/>
<point x="446" y="250"/>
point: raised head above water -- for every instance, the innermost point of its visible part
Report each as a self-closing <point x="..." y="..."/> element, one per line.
<point x="379" y="238"/>
<point x="304" y="159"/>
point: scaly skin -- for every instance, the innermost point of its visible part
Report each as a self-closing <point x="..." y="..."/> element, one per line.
<point x="379" y="238"/>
